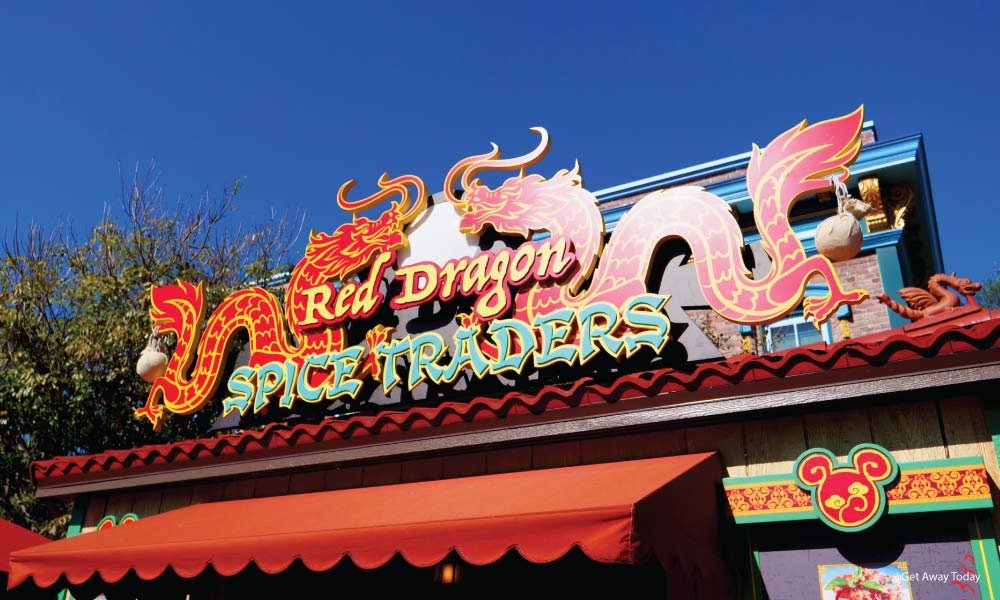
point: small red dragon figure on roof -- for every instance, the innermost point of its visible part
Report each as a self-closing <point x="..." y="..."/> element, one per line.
<point x="923" y="303"/>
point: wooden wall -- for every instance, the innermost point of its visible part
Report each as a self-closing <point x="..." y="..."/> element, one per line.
<point x="919" y="430"/>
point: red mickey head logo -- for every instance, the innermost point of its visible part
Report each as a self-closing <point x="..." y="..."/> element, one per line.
<point x="848" y="497"/>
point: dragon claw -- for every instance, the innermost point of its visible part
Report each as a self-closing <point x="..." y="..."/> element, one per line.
<point x="819" y="310"/>
<point x="152" y="412"/>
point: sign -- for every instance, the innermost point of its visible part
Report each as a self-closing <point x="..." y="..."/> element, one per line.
<point x="902" y="564"/>
<point x="555" y="293"/>
<point x="848" y="497"/>
<point x="854" y="496"/>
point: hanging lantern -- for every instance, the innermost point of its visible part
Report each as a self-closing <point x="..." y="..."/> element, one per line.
<point x="152" y="361"/>
<point x="839" y="237"/>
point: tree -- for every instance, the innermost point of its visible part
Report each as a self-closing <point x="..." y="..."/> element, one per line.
<point x="74" y="318"/>
<point x="989" y="296"/>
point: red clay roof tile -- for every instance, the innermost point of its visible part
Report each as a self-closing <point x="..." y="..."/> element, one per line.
<point x="973" y="330"/>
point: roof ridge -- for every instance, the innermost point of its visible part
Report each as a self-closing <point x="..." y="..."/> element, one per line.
<point x="970" y="331"/>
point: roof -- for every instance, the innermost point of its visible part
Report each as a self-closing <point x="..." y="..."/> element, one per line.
<point x="966" y="332"/>
<point x="620" y="512"/>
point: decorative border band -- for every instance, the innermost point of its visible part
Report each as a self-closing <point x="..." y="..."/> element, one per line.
<point x="926" y="486"/>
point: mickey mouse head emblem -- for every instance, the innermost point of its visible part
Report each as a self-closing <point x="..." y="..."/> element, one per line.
<point x="848" y="497"/>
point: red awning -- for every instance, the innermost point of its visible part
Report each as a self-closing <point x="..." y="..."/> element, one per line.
<point x="14" y="538"/>
<point x="615" y="513"/>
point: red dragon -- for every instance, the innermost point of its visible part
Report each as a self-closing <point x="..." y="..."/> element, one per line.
<point x="938" y="300"/>
<point x="798" y="162"/>
<point x="180" y="308"/>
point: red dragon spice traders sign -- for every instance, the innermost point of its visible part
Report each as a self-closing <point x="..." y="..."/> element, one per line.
<point x="543" y="288"/>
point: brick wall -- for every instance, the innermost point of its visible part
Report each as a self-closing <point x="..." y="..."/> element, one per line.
<point x="869" y="316"/>
<point x="724" y="334"/>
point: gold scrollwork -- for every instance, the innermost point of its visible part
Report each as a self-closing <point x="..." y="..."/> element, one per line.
<point x="900" y="201"/>
<point x="877" y="219"/>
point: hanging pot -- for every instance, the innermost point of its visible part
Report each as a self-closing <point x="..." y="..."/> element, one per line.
<point x="152" y="361"/>
<point x="839" y="237"/>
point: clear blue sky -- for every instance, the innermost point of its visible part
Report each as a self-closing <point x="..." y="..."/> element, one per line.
<point x="298" y="97"/>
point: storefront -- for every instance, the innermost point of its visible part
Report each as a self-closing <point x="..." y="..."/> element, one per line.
<point x="533" y="403"/>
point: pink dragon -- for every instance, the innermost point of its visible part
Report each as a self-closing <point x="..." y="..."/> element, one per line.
<point x="796" y="163"/>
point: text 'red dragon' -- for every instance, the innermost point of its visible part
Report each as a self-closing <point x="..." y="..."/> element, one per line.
<point x="180" y="308"/>
<point x="796" y="163"/>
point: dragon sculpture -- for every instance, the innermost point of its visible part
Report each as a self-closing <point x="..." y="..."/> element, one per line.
<point x="798" y="162"/>
<point x="924" y="303"/>
<point x="180" y="308"/>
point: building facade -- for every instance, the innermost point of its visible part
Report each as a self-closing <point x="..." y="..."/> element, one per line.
<point x="776" y="459"/>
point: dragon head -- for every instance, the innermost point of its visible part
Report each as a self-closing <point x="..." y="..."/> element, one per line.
<point x="353" y="245"/>
<point x="517" y="206"/>
<point x="964" y="285"/>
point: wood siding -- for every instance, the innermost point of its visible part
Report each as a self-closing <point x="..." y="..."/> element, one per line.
<point x="918" y="430"/>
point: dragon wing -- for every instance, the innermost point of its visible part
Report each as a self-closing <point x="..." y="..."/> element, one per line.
<point x="917" y="298"/>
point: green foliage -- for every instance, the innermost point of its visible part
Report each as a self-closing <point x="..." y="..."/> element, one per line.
<point x="74" y="318"/>
<point x="989" y="296"/>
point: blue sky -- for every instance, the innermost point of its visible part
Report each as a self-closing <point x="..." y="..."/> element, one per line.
<point x="299" y="97"/>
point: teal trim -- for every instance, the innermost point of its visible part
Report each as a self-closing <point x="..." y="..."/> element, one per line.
<point x="674" y="178"/>
<point x="940" y="506"/>
<point x="806" y="232"/>
<point x="709" y="169"/>
<point x="993" y="425"/>
<point x="891" y="274"/>
<point x="76" y="519"/>
<point x="904" y="262"/>
<point x="888" y="238"/>
<point x="960" y="461"/>
<point x="735" y="481"/>
<point x="74" y="529"/>
<point x="984" y="549"/>
<point x="757" y="585"/>
<point x="874" y="157"/>
<point x="881" y="155"/>
<point x="927" y="209"/>
<point x="805" y="515"/>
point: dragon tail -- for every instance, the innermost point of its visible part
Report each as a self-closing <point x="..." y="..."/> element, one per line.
<point x="896" y="307"/>
<point x="803" y="157"/>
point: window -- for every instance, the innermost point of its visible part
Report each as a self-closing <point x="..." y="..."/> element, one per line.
<point x="794" y="332"/>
